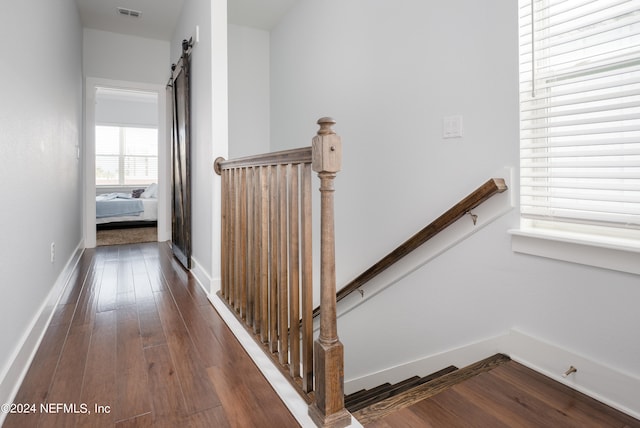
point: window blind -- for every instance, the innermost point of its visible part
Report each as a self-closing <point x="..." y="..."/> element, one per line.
<point x="580" y="111"/>
<point x="140" y="155"/>
<point x="126" y="155"/>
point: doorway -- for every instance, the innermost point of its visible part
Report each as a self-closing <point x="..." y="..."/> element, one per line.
<point x="119" y="118"/>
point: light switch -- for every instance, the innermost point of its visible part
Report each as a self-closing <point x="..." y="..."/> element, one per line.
<point x="452" y="127"/>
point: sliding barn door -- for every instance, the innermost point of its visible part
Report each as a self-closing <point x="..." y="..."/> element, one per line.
<point x="181" y="174"/>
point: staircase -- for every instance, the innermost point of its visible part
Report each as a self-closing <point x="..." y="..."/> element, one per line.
<point x="369" y="405"/>
<point x="366" y="397"/>
<point x="266" y="279"/>
<point x="267" y="268"/>
<point x="495" y="392"/>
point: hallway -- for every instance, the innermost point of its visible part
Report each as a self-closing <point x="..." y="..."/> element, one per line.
<point x="134" y="342"/>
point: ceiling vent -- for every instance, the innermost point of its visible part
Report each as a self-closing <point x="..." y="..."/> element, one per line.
<point x="129" y="12"/>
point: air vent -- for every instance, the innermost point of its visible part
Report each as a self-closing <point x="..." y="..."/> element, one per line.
<point x="129" y="12"/>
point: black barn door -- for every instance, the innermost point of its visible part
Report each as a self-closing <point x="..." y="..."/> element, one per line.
<point x="180" y="153"/>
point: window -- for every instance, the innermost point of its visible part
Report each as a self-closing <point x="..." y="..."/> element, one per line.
<point x="580" y="116"/>
<point x="126" y="156"/>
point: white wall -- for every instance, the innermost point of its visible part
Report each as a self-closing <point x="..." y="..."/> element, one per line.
<point x="220" y="123"/>
<point x="137" y="112"/>
<point x="41" y="128"/>
<point x="248" y="91"/>
<point x="200" y="13"/>
<point x="389" y="72"/>
<point x="128" y="58"/>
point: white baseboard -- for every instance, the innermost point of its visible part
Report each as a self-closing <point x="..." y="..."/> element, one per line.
<point x="604" y="383"/>
<point x="201" y="275"/>
<point x="16" y="370"/>
<point x="216" y="285"/>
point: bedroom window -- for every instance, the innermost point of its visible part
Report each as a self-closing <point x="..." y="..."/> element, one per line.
<point x="126" y="156"/>
<point x="580" y="116"/>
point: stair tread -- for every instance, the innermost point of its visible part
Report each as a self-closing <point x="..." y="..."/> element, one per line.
<point x="363" y="401"/>
<point x="367" y="393"/>
<point x="355" y="396"/>
<point x="388" y="405"/>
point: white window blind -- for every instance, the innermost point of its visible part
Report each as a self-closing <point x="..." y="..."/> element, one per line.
<point x="580" y="111"/>
<point x="126" y="155"/>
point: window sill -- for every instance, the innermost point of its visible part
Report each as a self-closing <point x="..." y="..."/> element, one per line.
<point x="609" y="253"/>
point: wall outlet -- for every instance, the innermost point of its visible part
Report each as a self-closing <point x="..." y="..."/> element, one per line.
<point x="53" y="252"/>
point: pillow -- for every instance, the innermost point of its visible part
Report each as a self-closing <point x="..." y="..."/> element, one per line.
<point x="150" y="192"/>
<point x="136" y="193"/>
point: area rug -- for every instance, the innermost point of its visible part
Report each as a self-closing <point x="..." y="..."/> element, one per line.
<point x="126" y="236"/>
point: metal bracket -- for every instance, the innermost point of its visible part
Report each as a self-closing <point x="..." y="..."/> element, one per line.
<point x="474" y="217"/>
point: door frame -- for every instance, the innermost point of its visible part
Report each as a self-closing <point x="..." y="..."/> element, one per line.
<point x="164" y="174"/>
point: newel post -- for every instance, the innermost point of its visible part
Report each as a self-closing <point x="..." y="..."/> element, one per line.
<point x="328" y="408"/>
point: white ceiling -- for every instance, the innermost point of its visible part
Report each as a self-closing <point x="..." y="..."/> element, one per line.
<point x="159" y="17"/>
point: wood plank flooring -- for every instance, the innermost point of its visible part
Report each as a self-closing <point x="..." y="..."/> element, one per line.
<point x="507" y="396"/>
<point x="134" y="342"/>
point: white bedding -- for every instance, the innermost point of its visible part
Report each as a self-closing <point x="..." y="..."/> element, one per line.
<point x="150" y="213"/>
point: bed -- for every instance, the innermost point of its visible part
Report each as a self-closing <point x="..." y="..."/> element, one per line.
<point x="116" y="210"/>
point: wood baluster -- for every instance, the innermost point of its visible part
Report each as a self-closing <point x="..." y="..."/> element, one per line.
<point x="239" y="243"/>
<point x="273" y="268"/>
<point x="233" y="242"/>
<point x="294" y="272"/>
<point x="224" y="228"/>
<point x="267" y="263"/>
<point x="306" y="255"/>
<point x="242" y="283"/>
<point x="283" y="283"/>
<point x="231" y="235"/>
<point x="228" y="234"/>
<point x="250" y="265"/>
<point x="255" y="282"/>
<point x="264" y="253"/>
<point x="328" y="408"/>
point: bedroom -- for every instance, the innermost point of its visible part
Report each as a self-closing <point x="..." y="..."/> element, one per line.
<point x="126" y="165"/>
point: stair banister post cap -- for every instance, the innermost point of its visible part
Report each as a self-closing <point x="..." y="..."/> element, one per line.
<point x="326" y="148"/>
<point x="325" y="125"/>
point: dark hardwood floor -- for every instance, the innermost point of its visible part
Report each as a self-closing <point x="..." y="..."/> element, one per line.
<point x="507" y="396"/>
<point x="134" y="342"/>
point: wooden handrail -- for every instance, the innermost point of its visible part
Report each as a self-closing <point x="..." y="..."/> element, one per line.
<point x="266" y="264"/>
<point x="293" y="156"/>
<point x="481" y="194"/>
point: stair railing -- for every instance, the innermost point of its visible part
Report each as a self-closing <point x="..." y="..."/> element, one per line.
<point x="481" y="194"/>
<point x="267" y="264"/>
